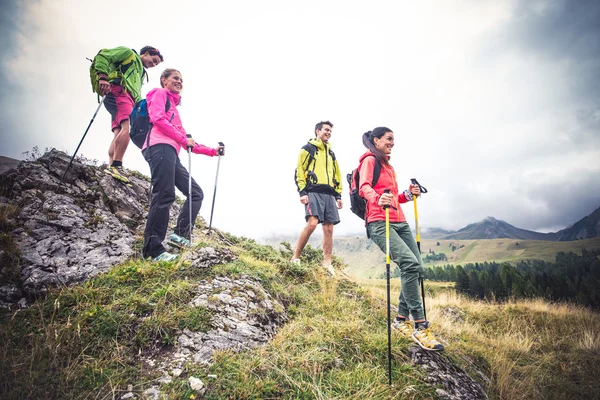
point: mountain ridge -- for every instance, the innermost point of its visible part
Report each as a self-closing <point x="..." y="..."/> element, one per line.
<point x="491" y="228"/>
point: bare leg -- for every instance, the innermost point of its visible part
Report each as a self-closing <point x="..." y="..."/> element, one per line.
<point x="121" y="141"/>
<point x="327" y="243"/>
<point x="111" y="149"/>
<point x="311" y="224"/>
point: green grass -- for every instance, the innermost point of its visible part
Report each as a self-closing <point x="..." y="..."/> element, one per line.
<point x="367" y="260"/>
<point x="86" y="341"/>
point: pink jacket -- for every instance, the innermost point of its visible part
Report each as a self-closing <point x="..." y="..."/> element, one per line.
<point x="166" y="126"/>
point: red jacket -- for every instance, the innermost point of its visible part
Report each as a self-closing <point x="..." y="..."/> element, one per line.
<point x="387" y="180"/>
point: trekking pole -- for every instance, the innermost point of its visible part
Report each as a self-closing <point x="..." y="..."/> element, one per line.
<point x="418" y="232"/>
<point x="81" y="141"/>
<point x="221" y="153"/>
<point x="387" y="276"/>
<point x="189" y="150"/>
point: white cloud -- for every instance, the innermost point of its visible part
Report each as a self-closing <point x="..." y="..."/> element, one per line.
<point x="479" y="126"/>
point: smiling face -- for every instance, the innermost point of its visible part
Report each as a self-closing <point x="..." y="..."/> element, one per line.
<point x="324" y="133"/>
<point x="385" y="143"/>
<point x="150" y="61"/>
<point x="174" y="82"/>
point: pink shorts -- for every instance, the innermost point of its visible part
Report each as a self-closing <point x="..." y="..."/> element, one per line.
<point x="119" y="104"/>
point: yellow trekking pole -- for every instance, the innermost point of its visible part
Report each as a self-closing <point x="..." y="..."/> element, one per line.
<point x="418" y="232"/>
<point x="387" y="275"/>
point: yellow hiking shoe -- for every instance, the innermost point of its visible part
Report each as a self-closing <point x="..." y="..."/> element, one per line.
<point x="425" y="338"/>
<point x="117" y="172"/>
<point x="404" y="327"/>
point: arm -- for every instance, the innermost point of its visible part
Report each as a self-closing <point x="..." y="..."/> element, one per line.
<point x="160" y="119"/>
<point x="202" y="149"/>
<point x="409" y="195"/>
<point x="300" y="172"/>
<point x="338" y="178"/>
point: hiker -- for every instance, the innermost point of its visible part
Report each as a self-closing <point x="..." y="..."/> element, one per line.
<point x="403" y="247"/>
<point x="166" y="138"/>
<point x="118" y="74"/>
<point x="319" y="181"/>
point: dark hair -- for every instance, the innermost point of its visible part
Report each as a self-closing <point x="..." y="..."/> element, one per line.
<point x="368" y="140"/>
<point x="167" y="73"/>
<point x="153" y="52"/>
<point x="320" y="125"/>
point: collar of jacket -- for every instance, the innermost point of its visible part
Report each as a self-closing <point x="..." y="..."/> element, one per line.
<point x="174" y="97"/>
<point x="319" y="144"/>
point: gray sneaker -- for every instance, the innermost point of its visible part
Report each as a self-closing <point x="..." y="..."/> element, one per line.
<point x="166" y="256"/>
<point x="178" y="241"/>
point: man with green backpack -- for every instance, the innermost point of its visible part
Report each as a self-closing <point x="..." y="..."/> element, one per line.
<point x="118" y="74"/>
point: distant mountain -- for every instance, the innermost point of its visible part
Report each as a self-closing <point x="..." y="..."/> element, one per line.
<point x="7" y="163"/>
<point x="435" y="233"/>
<point x="585" y="228"/>
<point x="491" y="228"/>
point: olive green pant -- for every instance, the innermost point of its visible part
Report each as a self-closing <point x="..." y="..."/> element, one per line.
<point x="405" y="253"/>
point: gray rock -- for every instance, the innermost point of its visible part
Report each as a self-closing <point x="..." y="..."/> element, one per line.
<point x="69" y="232"/>
<point x="244" y="316"/>
<point x="457" y="384"/>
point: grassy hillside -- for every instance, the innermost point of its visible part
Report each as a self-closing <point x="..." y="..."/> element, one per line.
<point x="365" y="260"/>
<point x="533" y="349"/>
<point x="85" y="341"/>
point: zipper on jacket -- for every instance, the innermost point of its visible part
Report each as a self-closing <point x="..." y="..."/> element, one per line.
<point x="326" y="163"/>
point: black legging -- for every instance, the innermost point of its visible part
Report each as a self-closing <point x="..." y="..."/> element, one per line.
<point x="167" y="173"/>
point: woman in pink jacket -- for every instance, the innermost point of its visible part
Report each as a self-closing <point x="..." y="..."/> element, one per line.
<point x="403" y="247"/>
<point x="161" y="150"/>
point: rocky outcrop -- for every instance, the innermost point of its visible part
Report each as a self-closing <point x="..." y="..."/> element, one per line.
<point x="456" y="383"/>
<point x="66" y="232"/>
<point x="244" y="315"/>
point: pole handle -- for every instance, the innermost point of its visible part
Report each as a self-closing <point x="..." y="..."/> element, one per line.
<point x="414" y="181"/>
<point x="386" y="191"/>
<point x="221" y="151"/>
<point x="189" y="148"/>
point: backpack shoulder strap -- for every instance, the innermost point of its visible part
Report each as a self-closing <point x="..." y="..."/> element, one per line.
<point x="376" y="171"/>
<point x="311" y="149"/>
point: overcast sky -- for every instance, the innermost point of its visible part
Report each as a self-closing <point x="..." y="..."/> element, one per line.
<point x="495" y="105"/>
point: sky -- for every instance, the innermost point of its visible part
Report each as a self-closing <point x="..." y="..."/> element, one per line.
<point x="495" y="105"/>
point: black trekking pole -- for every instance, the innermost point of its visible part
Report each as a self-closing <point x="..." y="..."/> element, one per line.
<point x="190" y="198"/>
<point x="81" y="141"/>
<point x="418" y="232"/>
<point x="387" y="276"/>
<point x="221" y="153"/>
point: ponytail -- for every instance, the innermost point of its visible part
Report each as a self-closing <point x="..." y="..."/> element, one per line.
<point x="369" y="143"/>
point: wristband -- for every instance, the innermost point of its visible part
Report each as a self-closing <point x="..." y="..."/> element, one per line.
<point x="102" y="78"/>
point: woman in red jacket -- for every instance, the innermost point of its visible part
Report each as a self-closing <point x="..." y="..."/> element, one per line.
<point x="403" y="247"/>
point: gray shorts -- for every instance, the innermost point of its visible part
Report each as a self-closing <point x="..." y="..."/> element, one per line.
<point x="322" y="206"/>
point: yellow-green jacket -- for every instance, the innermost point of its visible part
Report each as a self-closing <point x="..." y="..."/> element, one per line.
<point x="318" y="170"/>
<point x="123" y="66"/>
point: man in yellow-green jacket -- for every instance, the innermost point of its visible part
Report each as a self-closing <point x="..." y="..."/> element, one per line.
<point x="319" y="181"/>
<point x="118" y="74"/>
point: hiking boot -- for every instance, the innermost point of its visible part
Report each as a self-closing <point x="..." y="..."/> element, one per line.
<point x="329" y="268"/>
<point x="117" y="172"/>
<point x="405" y="327"/>
<point x="178" y="241"/>
<point x="166" y="256"/>
<point x="425" y="338"/>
